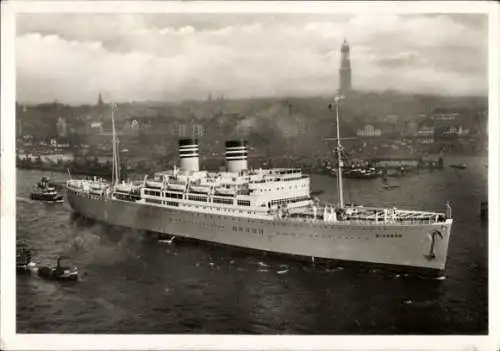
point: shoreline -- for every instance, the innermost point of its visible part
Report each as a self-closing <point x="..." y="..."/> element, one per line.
<point x="103" y="173"/>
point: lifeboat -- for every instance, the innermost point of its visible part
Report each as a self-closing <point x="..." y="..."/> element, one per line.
<point x="97" y="192"/>
<point x="154" y="184"/>
<point x="98" y="189"/>
<point x="225" y="191"/>
<point x="204" y="189"/>
<point x="124" y="187"/>
<point x="177" y="186"/>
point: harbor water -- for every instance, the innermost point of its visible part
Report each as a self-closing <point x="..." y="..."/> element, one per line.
<point x="133" y="284"/>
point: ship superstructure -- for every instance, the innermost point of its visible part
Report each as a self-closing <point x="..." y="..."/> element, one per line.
<point x="264" y="209"/>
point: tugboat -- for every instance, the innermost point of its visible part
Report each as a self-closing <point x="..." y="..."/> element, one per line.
<point x="24" y="265"/>
<point x="59" y="272"/>
<point x="45" y="191"/>
<point x="459" y="166"/>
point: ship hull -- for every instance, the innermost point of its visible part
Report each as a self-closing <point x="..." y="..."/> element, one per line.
<point x="409" y="246"/>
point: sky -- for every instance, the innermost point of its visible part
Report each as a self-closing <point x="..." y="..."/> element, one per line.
<point x="137" y="57"/>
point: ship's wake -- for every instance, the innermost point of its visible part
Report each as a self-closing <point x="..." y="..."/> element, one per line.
<point x="97" y="245"/>
<point x="24" y="199"/>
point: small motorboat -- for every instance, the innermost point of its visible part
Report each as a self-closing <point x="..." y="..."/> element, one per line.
<point x="389" y="185"/>
<point x="46" y="192"/>
<point x="163" y="240"/>
<point x="59" y="272"/>
<point x="459" y="166"/>
<point x="283" y="268"/>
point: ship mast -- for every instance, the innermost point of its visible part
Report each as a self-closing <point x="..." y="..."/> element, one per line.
<point x="338" y="99"/>
<point x="116" y="169"/>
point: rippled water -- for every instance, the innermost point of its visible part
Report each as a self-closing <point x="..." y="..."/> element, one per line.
<point x="133" y="284"/>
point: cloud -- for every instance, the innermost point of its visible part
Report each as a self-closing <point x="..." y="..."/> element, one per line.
<point x="73" y="57"/>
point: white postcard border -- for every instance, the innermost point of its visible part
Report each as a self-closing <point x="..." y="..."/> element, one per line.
<point x="11" y="341"/>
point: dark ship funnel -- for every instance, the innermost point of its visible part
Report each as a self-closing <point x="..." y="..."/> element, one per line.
<point x="236" y="155"/>
<point x="189" y="155"/>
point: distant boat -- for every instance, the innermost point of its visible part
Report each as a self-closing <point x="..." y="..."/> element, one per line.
<point x="459" y="166"/>
<point x="363" y="172"/>
<point x="360" y="172"/>
<point x="389" y="185"/>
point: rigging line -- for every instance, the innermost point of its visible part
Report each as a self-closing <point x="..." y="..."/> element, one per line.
<point x="339" y="149"/>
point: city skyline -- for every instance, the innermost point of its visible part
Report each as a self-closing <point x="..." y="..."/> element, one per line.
<point x="165" y="57"/>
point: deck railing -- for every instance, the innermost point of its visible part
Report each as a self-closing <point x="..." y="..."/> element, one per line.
<point x="346" y="221"/>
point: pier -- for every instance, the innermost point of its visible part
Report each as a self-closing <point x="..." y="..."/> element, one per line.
<point x="408" y="163"/>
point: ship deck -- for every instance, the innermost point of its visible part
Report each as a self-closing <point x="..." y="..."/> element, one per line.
<point x="318" y="212"/>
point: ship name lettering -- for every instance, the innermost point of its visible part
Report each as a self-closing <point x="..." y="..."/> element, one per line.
<point x="248" y="230"/>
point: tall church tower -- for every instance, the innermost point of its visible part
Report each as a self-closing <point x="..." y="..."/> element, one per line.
<point x="345" y="84"/>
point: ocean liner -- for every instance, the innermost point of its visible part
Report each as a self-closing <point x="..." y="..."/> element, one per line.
<point x="268" y="210"/>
